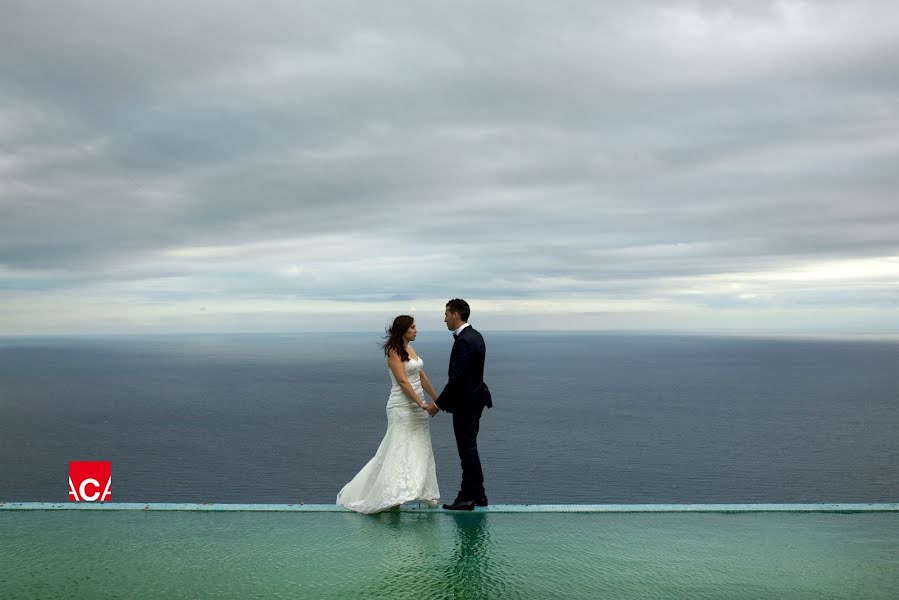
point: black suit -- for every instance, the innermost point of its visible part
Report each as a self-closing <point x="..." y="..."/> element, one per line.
<point x="466" y="395"/>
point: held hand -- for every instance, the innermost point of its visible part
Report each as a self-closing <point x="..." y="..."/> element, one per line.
<point x="432" y="409"/>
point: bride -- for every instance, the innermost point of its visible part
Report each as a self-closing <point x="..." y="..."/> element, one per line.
<point x="402" y="469"/>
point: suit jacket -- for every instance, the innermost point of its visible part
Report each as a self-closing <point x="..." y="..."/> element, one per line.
<point x="465" y="390"/>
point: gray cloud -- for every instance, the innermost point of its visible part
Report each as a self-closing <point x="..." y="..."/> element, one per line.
<point x="348" y="152"/>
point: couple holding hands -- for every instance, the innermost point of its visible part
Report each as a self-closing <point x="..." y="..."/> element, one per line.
<point x="403" y="469"/>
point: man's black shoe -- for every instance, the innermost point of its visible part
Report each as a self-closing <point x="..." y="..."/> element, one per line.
<point x="481" y="502"/>
<point x="460" y="505"/>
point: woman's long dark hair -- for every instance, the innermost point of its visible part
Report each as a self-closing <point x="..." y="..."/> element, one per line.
<point x="394" y="340"/>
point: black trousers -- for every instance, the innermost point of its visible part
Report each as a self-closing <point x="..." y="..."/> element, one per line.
<point x="466" y="426"/>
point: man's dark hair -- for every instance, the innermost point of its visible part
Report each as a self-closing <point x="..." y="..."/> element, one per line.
<point x="458" y="305"/>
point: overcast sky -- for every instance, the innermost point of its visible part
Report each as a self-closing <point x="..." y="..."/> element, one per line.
<point x="290" y="166"/>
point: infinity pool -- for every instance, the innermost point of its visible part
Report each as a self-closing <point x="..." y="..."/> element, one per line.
<point x="426" y="554"/>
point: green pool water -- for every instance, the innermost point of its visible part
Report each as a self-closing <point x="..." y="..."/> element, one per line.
<point x="435" y="554"/>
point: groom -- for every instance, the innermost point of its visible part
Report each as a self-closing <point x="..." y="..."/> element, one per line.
<point x="465" y="395"/>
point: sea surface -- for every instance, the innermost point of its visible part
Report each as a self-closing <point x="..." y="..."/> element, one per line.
<point x="578" y="417"/>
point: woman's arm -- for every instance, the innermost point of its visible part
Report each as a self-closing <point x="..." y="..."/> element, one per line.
<point x="399" y="372"/>
<point x="426" y="385"/>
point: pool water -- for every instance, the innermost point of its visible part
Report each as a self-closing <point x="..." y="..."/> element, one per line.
<point x="438" y="554"/>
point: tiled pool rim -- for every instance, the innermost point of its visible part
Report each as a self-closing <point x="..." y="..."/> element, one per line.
<point x="496" y="508"/>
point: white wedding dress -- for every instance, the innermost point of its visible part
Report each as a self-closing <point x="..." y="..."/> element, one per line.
<point x="402" y="469"/>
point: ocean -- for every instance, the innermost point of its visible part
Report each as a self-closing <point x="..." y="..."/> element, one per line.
<point x="578" y="417"/>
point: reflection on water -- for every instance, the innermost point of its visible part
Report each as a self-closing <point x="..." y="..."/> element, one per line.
<point x="431" y="556"/>
<point x="406" y="558"/>
<point x="471" y="571"/>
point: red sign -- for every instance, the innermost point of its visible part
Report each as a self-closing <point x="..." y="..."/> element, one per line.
<point x="90" y="481"/>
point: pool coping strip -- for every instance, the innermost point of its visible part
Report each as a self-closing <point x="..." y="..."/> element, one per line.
<point x="496" y="508"/>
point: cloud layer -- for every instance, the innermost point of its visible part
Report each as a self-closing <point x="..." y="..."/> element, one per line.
<point x="693" y="165"/>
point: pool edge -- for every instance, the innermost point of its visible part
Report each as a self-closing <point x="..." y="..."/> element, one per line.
<point x="497" y="508"/>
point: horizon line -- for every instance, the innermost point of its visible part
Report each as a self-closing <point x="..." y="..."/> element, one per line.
<point x="799" y="334"/>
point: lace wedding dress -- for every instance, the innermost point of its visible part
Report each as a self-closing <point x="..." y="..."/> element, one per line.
<point x="402" y="469"/>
